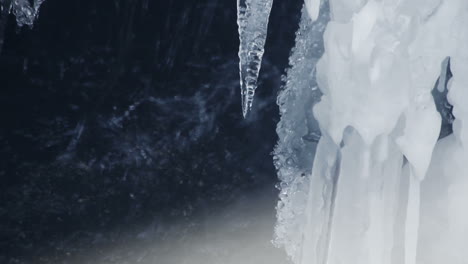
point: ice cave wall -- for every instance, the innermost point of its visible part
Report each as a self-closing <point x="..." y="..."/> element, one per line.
<point x="383" y="188"/>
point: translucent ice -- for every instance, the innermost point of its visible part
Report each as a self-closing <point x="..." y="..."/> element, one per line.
<point x="252" y="19"/>
<point x="25" y="11"/>
<point x="298" y="131"/>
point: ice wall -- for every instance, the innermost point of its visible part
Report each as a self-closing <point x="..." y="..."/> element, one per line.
<point x="383" y="188"/>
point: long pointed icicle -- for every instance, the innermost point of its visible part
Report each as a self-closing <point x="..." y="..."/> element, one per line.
<point x="252" y="19"/>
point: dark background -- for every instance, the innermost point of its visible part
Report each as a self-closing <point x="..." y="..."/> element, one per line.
<point x="116" y="113"/>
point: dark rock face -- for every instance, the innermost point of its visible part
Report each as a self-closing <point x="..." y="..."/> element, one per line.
<point x="115" y="113"/>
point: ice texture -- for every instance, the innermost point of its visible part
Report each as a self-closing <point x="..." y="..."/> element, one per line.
<point x="252" y="19"/>
<point x="384" y="184"/>
<point x="313" y="8"/>
<point x="25" y="11"/>
<point x="298" y="130"/>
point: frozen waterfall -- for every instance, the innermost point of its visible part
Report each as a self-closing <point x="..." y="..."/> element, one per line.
<point x="367" y="176"/>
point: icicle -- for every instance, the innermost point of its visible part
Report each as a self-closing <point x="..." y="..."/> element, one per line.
<point x="320" y="204"/>
<point x="26" y="13"/>
<point x="412" y="219"/>
<point x="252" y="19"/>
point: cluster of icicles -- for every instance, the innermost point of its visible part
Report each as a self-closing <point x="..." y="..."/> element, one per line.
<point x="367" y="176"/>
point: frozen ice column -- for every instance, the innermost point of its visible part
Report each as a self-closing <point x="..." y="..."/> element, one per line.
<point x="379" y="127"/>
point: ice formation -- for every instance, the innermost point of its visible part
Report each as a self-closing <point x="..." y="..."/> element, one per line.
<point x="25" y="11"/>
<point x="252" y="19"/>
<point x="313" y="8"/>
<point x="297" y="130"/>
<point x="383" y="184"/>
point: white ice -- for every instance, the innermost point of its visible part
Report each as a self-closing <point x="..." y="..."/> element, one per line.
<point x="313" y="8"/>
<point x="383" y="187"/>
